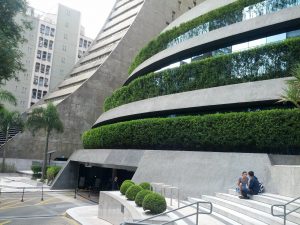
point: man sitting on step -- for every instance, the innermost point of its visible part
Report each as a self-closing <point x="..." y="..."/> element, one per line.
<point x="253" y="187"/>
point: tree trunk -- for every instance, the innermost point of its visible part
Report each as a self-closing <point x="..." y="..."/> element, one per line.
<point x="45" y="157"/>
<point x="4" y="151"/>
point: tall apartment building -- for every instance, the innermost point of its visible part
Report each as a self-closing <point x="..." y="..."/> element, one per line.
<point x="54" y="45"/>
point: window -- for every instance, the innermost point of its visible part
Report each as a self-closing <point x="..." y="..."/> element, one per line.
<point x="68" y="12"/>
<point x="47" y="70"/>
<point x="35" y="80"/>
<point x="37" y="67"/>
<point x="52" y="32"/>
<point x="34" y="93"/>
<point x="43" y="68"/>
<point x="50" y="45"/>
<point x="44" y="93"/>
<point x="46" y="83"/>
<point x="41" y="81"/>
<point x="80" y="42"/>
<point x="47" y="31"/>
<point x="42" y="29"/>
<point x="40" y="42"/>
<point x="39" y="95"/>
<point x="45" y="43"/>
<point x="89" y="43"/>
<point x="85" y="43"/>
<point x="44" y="55"/>
<point x="38" y="55"/>
<point x="49" y="57"/>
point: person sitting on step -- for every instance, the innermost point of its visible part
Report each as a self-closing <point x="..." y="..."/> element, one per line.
<point x="242" y="182"/>
<point x="253" y="187"/>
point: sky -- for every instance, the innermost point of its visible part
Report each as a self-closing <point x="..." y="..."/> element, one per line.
<point x="93" y="12"/>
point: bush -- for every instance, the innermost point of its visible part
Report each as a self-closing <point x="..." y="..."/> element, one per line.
<point x="132" y="192"/>
<point x="268" y="62"/>
<point x="36" y="169"/>
<point x="124" y="187"/>
<point x="52" y="171"/>
<point x="139" y="198"/>
<point x="130" y="181"/>
<point x="145" y="185"/>
<point x="266" y="131"/>
<point x="221" y="17"/>
<point x="155" y="203"/>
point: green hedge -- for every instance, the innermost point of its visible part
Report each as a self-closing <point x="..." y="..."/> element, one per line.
<point x="145" y="185"/>
<point x="139" y="198"/>
<point x="52" y="171"/>
<point x="262" y="63"/>
<point x="220" y="17"/>
<point x="268" y="131"/>
<point x="132" y="191"/>
<point x="155" y="203"/>
<point x="124" y="187"/>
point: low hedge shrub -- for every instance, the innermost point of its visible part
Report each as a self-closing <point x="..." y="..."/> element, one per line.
<point x="52" y="171"/>
<point x="36" y="169"/>
<point x="145" y="185"/>
<point x="124" y="187"/>
<point x="266" y="131"/>
<point x="139" y="198"/>
<point x="132" y="191"/>
<point x="155" y="203"/>
<point x="221" y="17"/>
<point x="271" y="61"/>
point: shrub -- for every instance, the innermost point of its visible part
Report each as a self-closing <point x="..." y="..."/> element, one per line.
<point x="266" y="131"/>
<point x="261" y="63"/>
<point x="36" y="169"/>
<point x="145" y="185"/>
<point x="52" y="171"/>
<point x="139" y="198"/>
<point x="132" y="192"/>
<point x="130" y="181"/>
<point x="155" y="203"/>
<point x="124" y="187"/>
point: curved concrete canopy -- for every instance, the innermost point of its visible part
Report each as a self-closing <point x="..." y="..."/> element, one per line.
<point x="259" y="91"/>
<point x="255" y="28"/>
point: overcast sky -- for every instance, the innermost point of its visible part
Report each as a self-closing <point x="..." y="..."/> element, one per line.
<point x="93" y="12"/>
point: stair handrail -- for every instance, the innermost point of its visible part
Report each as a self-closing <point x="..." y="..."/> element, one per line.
<point x="142" y="222"/>
<point x="284" y="206"/>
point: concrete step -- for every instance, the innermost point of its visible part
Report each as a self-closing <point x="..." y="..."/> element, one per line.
<point x="215" y="215"/>
<point x="234" y="215"/>
<point x="284" y="198"/>
<point x="266" y="218"/>
<point x="293" y="217"/>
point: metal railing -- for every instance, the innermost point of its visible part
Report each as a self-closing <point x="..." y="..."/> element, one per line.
<point x="161" y="187"/>
<point x="284" y="207"/>
<point x="142" y="222"/>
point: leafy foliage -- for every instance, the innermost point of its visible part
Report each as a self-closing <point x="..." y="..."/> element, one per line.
<point x="145" y="185"/>
<point x="36" y="169"/>
<point x="155" y="203"/>
<point x="270" y="61"/>
<point x="10" y="38"/>
<point x="6" y="96"/>
<point x="52" y="171"/>
<point x="267" y="131"/>
<point x="132" y="191"/>
<point x="124" y="187"/>
<point x="139" y="198"/>
<point x="220" y="17"/>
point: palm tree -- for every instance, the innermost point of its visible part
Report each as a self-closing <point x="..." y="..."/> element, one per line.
<point x="8" y="120"/>
<point x="6" y="96"/>
<point x="48" y="120"/>
<point x="292" y="93"/>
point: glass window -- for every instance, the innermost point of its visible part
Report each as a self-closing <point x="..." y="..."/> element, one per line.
<point x="41" y="81"/>
<point x="47" y="70"/>
<point x="42" y="29"/>
<point x="80" y="42"/>
<point x="34" y="93"/>
<point x="47" y="31"/>
<point x="85" y="43"/>
<point x="39" y="95"/>
<point x="46" y="82"/>
<point x="43" y="68"/>
<point x="35" y="80"/>
<point x="89" y="43"/>
<point x="44" y="93"/>
<point x="50" y="45"/>
<point x="52" y="32"/>
<point x="39" y="53"/>
<point x="44" y="55"/>
<point x="37" y="67"/>
<point x="49" y="57"/>
<point x="45" y="43"/>
<point x="40" y="42"/>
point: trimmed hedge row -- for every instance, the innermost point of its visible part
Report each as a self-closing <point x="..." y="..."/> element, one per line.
<point x="268" y="131"/>
<point x="220" y="17"/>
<point x="270" y="61"/>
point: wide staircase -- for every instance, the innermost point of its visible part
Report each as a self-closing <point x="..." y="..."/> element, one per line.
<point x="228" y="208"/>
<point x="11" y="133"/>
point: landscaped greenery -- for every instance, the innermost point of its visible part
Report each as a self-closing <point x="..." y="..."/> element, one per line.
<point x="139" y="198"/>
<point x="125" y="185"/>
<point x="155" y="203"/>
<point x="52" y="171"/>
<point x="220" y="17"/>
<point x="145" y="185"/>
<point x="268" y="131"/>
<point x="267" y="62"/>
<point x="132" y="191"/>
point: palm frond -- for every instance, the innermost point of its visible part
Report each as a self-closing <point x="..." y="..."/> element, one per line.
<point x="6" y="96"/>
